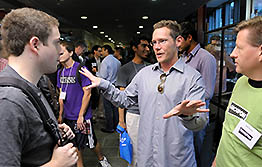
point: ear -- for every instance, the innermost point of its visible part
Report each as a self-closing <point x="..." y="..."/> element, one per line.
<point x="71" y="53"/>
<point x="179" y="39"/>
<point x="34" y="44"/>
<point x="260" y="53"/>
<point x="134" y="48"/>
<point x="189" y="37"/>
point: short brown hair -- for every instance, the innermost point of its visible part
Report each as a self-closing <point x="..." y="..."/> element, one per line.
<point x="170" y="24"/>
<point x="254" y="26"/>
<point x="68" y="45"/>
<point x="20" y="25"/>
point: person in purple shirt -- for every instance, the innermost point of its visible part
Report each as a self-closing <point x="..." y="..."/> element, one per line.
<point x="75" y="105"/>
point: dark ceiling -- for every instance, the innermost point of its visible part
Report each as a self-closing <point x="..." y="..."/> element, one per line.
<point x="119" y="19"/>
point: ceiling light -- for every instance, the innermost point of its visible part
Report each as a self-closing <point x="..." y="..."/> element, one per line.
<point x="141" y="27"/>
<point x="106" y="36"/>
<point x="102" y="32"/>
<point x="109" y="38"/>
<point x="138" y="32"/>
<point x="154" y="0"/>
<point x="83" y="17"/>
<point x="95" y="27"/>
<point x="145" y="17"/>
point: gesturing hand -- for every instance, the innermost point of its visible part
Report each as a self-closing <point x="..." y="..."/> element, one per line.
<point x="95" y="80"/>
<point x="186" y="107"/>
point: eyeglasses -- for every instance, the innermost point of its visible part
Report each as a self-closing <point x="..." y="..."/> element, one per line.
<point x="159" y="42"/>
<point x="161" y="86"/>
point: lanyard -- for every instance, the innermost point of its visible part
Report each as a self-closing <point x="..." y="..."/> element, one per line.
<point x="63" y="75"/>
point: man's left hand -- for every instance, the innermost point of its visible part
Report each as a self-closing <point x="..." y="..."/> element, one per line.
<point x="186" y="107"/>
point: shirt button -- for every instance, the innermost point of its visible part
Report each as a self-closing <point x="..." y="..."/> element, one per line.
<point x="157" y="118"/>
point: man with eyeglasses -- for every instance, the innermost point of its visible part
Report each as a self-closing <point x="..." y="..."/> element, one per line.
<point x="205" y="64"/>
<point x="170" y="97"/>
<point x="140" y="49"/>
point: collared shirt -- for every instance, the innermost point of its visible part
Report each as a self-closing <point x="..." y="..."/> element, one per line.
<point x="162" y="142"/>
<point x="109" y="68"/>
<point x="205" y="64"/>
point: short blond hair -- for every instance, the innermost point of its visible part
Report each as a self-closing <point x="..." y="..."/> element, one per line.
<point x="172" y="25"/>
<point x="254" y="26"/>
<point x="20" y="25"/>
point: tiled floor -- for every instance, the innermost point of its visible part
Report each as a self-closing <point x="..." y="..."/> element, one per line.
<point x="110" y="148"/>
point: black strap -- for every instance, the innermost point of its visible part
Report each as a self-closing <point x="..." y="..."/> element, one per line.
<point x="49" y="124"/>
<point x="78" y="73"/>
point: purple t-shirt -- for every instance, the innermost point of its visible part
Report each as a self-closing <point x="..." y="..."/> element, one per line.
<point x="67" y="80"/>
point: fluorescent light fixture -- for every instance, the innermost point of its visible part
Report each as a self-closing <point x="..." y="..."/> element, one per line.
<point x="84" y="17"/>
<point x="145" y="17"/>
<point x="95" y="27"/>
<point x="102" y="32"/>
<point x="138" y="32"/>
<point x="106" y="36"/>
<point x="141" y="27"/>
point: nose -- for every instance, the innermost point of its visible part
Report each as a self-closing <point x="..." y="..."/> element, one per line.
<point x="233" y="54"/>
<point x="147" y="48"/>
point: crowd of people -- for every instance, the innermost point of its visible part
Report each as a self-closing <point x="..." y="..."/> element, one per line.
<point x="163" y="104"/>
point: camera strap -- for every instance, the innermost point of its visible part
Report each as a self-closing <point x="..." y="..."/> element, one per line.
<point x="49" y="124"/>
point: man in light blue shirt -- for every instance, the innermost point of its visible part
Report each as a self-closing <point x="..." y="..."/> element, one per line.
<point x="108" y="71"/>
<point x="170" y="97"/>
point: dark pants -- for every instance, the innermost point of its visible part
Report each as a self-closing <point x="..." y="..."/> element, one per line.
<point x="111" y="115"/>
<point x="203" y="142"/>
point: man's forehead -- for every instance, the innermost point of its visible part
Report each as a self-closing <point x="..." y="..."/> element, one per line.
<point x="54" y="35"/>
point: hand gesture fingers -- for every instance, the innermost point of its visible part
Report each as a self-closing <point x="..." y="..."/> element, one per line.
<point x="95" y="80"/>
<point x="186" y="107"/>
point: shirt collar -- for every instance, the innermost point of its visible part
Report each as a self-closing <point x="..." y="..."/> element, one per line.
<point x="178" y="66"/>
<point x="195" y="50"/>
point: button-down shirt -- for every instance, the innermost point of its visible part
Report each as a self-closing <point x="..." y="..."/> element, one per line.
<point x="109" y="68"/>
<point x="162" y="142"/>
<point x="205" y="64"/>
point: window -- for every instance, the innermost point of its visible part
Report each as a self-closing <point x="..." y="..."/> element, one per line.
<point x="256" y="9"/>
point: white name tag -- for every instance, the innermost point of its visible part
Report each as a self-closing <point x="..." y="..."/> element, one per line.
<point x="62" y="95"/>
<point x="93" y="64"/>
<point x="247" y="134"/>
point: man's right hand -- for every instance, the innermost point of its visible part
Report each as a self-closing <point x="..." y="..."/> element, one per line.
<point x="65" y="156"/>
<point x="122" y="124"/>
<point x="95" y="80"/>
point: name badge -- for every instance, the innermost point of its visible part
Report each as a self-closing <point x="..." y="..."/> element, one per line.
<point x="93" y="64"/>
<point x="247" y="134"/>
<point x="62" y="95"/>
